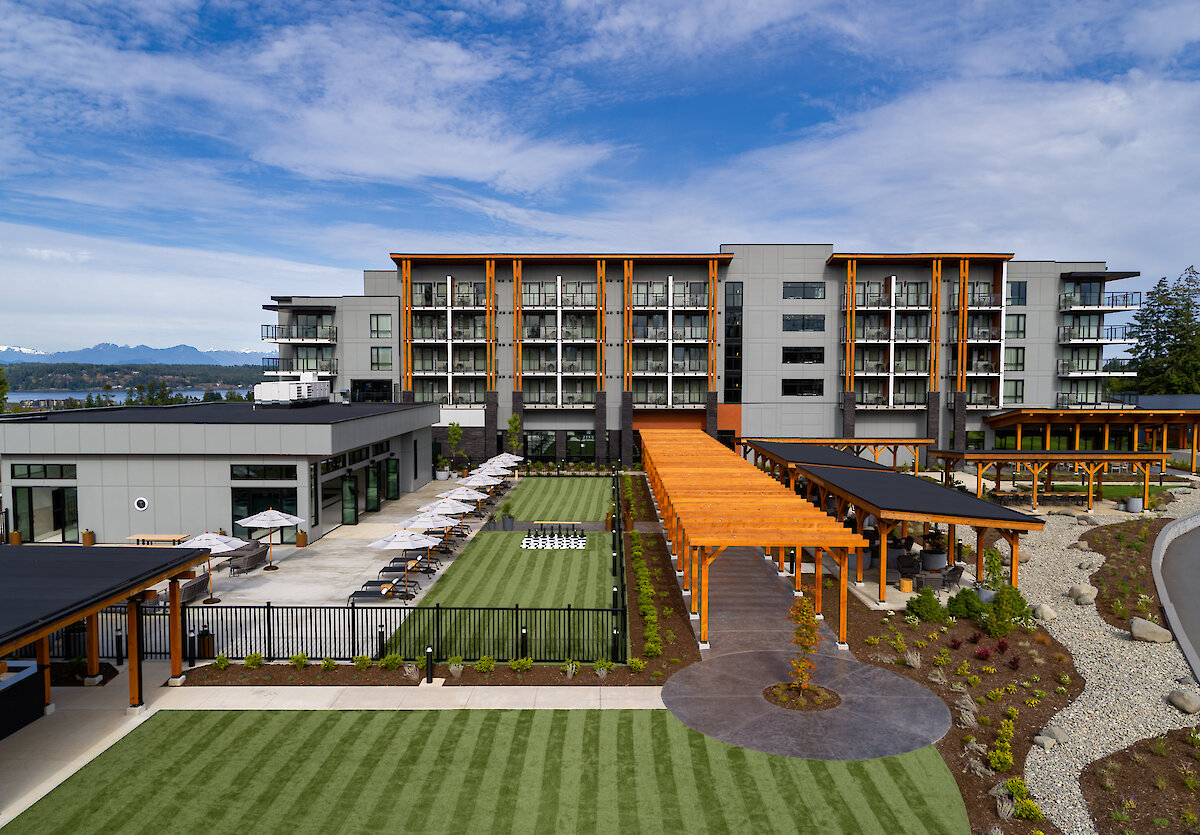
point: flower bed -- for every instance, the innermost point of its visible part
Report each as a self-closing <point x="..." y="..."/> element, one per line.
<point x="1124" y="582"/>
<point x="1151" y="786"/>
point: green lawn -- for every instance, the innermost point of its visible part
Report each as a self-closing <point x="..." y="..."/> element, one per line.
<point x="562" y="499"/>
<point x="494" y="571"/>
<point x="480" y="771"/>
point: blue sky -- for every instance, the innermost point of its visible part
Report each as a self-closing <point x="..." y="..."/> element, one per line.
<point x="167" y="165"/>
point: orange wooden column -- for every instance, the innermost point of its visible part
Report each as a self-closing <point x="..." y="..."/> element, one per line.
<point x="133" y="652"/>
<point x="883" y="528"/>
<point x="705" y="561"/>
<point x="844" y="553"/>
<point x="1013" y="538"/>
<point x="820" y="557"/>
<point x="42" y="649"/>
<point x="175" y="628"/>
<point x="979" y="532"/>
<point x="91" y="627"/>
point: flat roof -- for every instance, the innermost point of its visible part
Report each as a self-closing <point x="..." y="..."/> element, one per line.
<point x="1066" y="456"/>
<point x="218" y="413"/>
<point x="1106" y="275"/>
<point x="1124" y="415"/>
<point x="917" y="256"/>
<point x="563" y="256"/>
<point x="907" y="496"/>
<point x="795" y="453"/>
<point x="46" y="587"/>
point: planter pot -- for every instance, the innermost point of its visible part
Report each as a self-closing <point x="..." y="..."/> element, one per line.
<point x="1133" y="505"/>
<point x="301" y="539"/>
<point x="87" y="538"/>
<point x="508" y="523"/>
<point x="985" y="595"/>
<point x="931" y="560"/>
<point x="441" y="475"/>
<point x="456" y="670"/>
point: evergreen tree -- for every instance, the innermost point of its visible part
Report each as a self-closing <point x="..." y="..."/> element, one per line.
<point x="1167" y="330"/>
<point x="3" y="391"/>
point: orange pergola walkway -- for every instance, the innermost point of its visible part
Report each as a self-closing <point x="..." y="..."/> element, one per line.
<point x="712" y="499"/>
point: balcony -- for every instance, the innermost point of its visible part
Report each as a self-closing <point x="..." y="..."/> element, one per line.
<point x="434" y="367"/>
<point x="469" y="334"/>
<point x="866" y="367"/>
<point x="429" y="299"/>
<point x="690" y="366"/>
<point x="578" y="367"/>
<point x="539" y="299"/>
<point x="470" y="299"/>
<point x="579" y="334"/>
<point x="295" y="365"/>
<point x="650" y="398"/>
<point x="650" y="367"/>
<point x="974" y="399"/>
<point x="542" y="332"/>
<point x="1099" y="301"/>
<point x="868" y="300"/>
<point x="909" y="402"/>
<point x="549" y="367"/>
<point x="299" y="333"/>
<point x="649" y="300"/>
<point x="470" y="367"/>
<point x="977" y="367"/>
<point x="467" y="399"/>
<point x="911" y="366"/>
<point x="585" y="299"/>
<point x="1109" y="333"/>
<point x="691" y="300"/>
<point x="540" y="398"/>
<point x="1089" y="400"/>
<point x="869" y="334"/>
<point x="977" y="333"/>
<point x="871" y="400"/>
<point x="579" y="398"/>
<point x="431" y="397"/>
<point x="683" y="334"/>
<point x="912" y="298"/>
<point x="433" y="334"/>
<point x="650" y="333"/>
<point x="975" y="300"/>
<point x="689" y="398"/>
<point x="912" y="333"/>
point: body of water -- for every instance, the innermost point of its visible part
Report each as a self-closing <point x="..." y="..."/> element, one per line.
<point x="117" y="396"/>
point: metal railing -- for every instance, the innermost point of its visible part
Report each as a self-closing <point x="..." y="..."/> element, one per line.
<point x="579" y="398"/>
<point x="429" y="299"/>
<point x="467" y="399"/>
<point x="869" y="334"/>
<point x="690" y="366"/>
<point x="294" y="365"/>
<point x="470" y="299"/>
<point x="1114" y="300"/>
<point x="648" y="299"/>
<point x="579" y="333"/>
<point x="470" y="367"/>
<point x="649" y="333"/>
<point x="1108" y="333"/>
<point x="655" y="398"/>
<point x="973" y="399"/>
<point x="912" y="298"/>
<point x="578" y="367"/>
<point x="529" y="299"/>
<point x="868" y="300"/>
<point x="870" y="399"/>
<point x="911" y="366"/>
<point x="430" y="333"/>
<point x="587" y="299"/>
<point x="649" y="367"/>
<point x="912" y="332"/>
<point x="977" y="333"/>
<point x="689" y="398"/>
<point x="300" y="333"/>
<point x="435" y="367"/>
<point x="471" y="334"/>
<point x="689" y="333"/>
<point x="1093" y="400"/>
<point x="540" y="398"/>
<point x="528" y="367"/>
<point x="539" y="332"/>
<point x="690" y="300"/>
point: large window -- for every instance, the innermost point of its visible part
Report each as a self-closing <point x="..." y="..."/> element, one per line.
<point x="250" y="500"/>
<point x="331" y="464"/>
<point x="360" y="454"/>
<point x="381" y="359"/>
<point x="1015" y="295"/>
<point x="581" y="445"/>
<point x="803" y="355"/>
<point x="46" y="514"/>
<point x="803" y="322"/>
<point x="733" y="294"/>
<point x="539" y="445"/>
<point x="1014" y="391"/>
<point x="381" y="326"/>
<point x="1014" y="326"/>
<point x="1014" y="359"/>
<point x="803" y="388"/>
<point x="262" y="472"/>
<point x="733" y="324"/>
<point x="43" y="471"/>
<point x="804" y="289"/>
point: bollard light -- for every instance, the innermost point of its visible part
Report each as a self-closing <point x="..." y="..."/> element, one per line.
<point x="429" y="664"/>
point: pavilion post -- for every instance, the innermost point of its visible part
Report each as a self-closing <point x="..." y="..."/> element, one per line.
<point x="916" y="453"/>
<point x="91" y="627"/>
<point x="1019" y="428"/>
<point x="782" y="549"/>
<point x="1137" y="434"/>
<point x="1106" y="441"/>
<point x="799" y="572"/>
<point x="1146" y="487"/>
<point x="952" y="543"/>
<point x="1091" y="471"/>
<point x="1034" y="472"/>
<point x="819" y="557"/>
<point x="1194" y="426"/>
<point x="979" y="553"/>
<point x="134" y="651"/>
<point x="42" y="649"/>
<point x="1046" y="438"/>
<point x="842" y="591"/>
<point x="1077" y="436"/>
<point x="1014" y="543"/>
<point x="697" y="558"/>
<point x="175" y="628"/>
<point x="703" y="599"/>
<point x="883" y="528"/>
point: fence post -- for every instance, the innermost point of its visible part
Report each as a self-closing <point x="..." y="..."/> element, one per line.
<point x="191" y="647"/>
<point x="616" y="598"/>
<point x="437" y="631"/>
<point x="516" y="619"/>
<point x="270" y="653"/>
<point x="120" y="648"/>
<point x="382" y="640"/>
<point x="569" y="654"/>
<point x="616" y="637"/>
<point x="353" y="632"/>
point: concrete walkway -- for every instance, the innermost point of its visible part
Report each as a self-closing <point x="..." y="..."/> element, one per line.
<point x="881" y="713"/>
<point x="88" y="720"/>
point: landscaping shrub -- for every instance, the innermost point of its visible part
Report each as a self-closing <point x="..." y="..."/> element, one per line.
<point x="926" y="607"/>
<point x="637" y="665"/>
<point x="362" y="662"/>
<point x="1026" y="809"/>
<point x="603" y="664"/>
<point x="391" y="662"/>
<point x="966" y="604"/>
<point x="254" y="661"/>
<point x="485" y="664"/>
<point x="520" y="665"/>
<point x="328" y="664"/>
<point x="644" y="589"/>
<point x="804" y="636"/>
<point x="1005" y="613"/>
<point x="299" y="661"/>
<point x="221" y="661"/>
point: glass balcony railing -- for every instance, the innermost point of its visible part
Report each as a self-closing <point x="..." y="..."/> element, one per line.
<point x="539" y="299"/>
<point x="691" y="300"/>
<point x="650" y="398"/>
<point x="1109" y="333"/>
<point x="469" y="367"/>
<point x="295" y="365"/>
<point x="468" y="398"/>
<point x="977" y="333"/>
<point x="540" y="398"/>
<point x="539" y="332"/>
<point x="548" y="367"/>
<point x="579" y="398"/>
<point x="470" y="334"/>
<point x="912" y="333"/>
<point x="870" y="398"/>
<point x="579" y="334"/>
<point x="584" y="299"/>
<point x="912" y="298"/>
<point x="648" y="300"/>
<point x="470" y="299"/>
<point x="862" y="300"/>
<point x="1090" y="400"/>
<point x="689" y="398"/>
<point x="690" y="366"/>
<point x="911" y="366"/>
<point x="431" y="397"/>
<point x="649" y="367"/>
<point x="1109" y="300"/>
<point x="649" y="333"/>
<point x="434" y="367"/>
<point x="910" y="400"/>
<point x="299" y="333"/>
<point x="689" y="333"/>
<point x="869" y="333"/>
<point x="578" y="367"/>
<point x="1121" y="365"/>
<point x="429" y="299"/>
<point x="973" y="399"/>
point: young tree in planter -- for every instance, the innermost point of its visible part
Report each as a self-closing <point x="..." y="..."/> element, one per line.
<point x="512" y="437"/>
<point x="806" y="638"/>
<point x="454" y="436"/>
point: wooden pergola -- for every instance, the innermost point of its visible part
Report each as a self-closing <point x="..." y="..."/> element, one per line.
<point x="858" y="445"/>
<point x="899" y="499"/>
<point x="1037" y="462"/>
<point x="1156" y="423"/>
<point x="712" y="499"/>
<point x="45" y="588"/>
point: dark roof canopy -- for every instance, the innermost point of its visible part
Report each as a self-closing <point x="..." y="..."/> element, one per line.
<point x="49" y="586"/>
<point x="907" y="496"/>
<point x="813" y="454"/>
<point x="1107" y="275"/>
<point x="224" y="413"/>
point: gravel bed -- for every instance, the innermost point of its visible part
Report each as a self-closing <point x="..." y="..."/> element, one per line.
<point x="1127" y="681"/>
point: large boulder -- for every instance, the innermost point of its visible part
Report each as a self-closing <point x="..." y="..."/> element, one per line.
<point x="1056" y="733"/>
<point x="1079" y="589"/>
<point x="1044" y="611"/>
<point x="1185" y="701"/>
<point x="1080" y="545"/>
<point x="1143" y="630"/>
<point x="1085" y="599"/>
<point x="1087" y="519"/>
<point x="1046" y="742"/>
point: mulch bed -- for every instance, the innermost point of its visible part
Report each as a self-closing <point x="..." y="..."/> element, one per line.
<point x="1125" y="582"/>
<point x="643" y="503"/>
<point x="1040" y="655"/>
<point x="64" y="674"/>
<point x="813" y="699"/>
<point x="1151" y="786"/>
<point x="674" y="623"/>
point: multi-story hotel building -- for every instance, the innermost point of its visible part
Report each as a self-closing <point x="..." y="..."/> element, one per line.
<point x="753" y="340"/>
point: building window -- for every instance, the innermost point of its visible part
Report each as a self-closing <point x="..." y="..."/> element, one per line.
<point x="804" y="289"/>
<point x="1014" y="359"/>
<point x="733" y="294"/>
<point x="1014" y="391"/>
<point x="539" y="445"/>
<point x="804" y="356"/>
<point x="976" y="438"/>
<point x="337" y="462"/>
<point x="733" y="324"/>
<point x="803" y="388"/>
<point x="43" y="471"/>
<point x="381" y="359"/>
<point x="803" y="322"/>
<point x="1015" y="296"/>
<point x="1014" y="326"/>
<point x="381" y="447"/>
<point x="360" y="454"/>
<point x="262" y="472"/>
<point x="581" y="445"/>
<point x="381" y="326"/>
<point x="46" y="514"/>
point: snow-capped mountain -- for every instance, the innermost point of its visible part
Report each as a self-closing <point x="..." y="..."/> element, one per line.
<point x="108" y="353"/>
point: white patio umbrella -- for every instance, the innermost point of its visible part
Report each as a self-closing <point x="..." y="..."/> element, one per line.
<point x="505" y="458"/>
<point x="478" y="481"/>
<point x="463" y="494"/>
<point x="428" y="522"/>
<point x="405" y="540"/>
<point x="492" y="471"/>
<point x="270" y="519"/>
<point x="216" y="544"/>
<point x="446" y="507"/>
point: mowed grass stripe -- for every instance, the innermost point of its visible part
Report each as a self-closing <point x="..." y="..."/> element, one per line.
<point x="477" y="771"/>
<point x="561" y="499"/>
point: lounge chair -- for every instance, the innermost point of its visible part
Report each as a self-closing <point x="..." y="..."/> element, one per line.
<point x="953" y="577"/>
<point x="246" y="558"/>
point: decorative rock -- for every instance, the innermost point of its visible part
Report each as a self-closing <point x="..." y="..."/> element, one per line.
<point x="1188" y="680"/>
<point x="1141" y="629"/>
<point x="1056" y="733"/>
<point x="1185" y="701"/>
<point x="1046" y="742"/>
<point x="1081" y="589"/>
<point x="1044" y="611"/>
<point x="1079" y="545"/>
<point x="1087" y="519"/>
<point x="1085" y="600"/>
<point x="1087" y="565"/>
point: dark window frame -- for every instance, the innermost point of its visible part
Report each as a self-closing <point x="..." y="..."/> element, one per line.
<point x="804" y="322"/>
<point x="803" y="355"/>
<point x="803" y="289"/>
<point x="802" y="387"/>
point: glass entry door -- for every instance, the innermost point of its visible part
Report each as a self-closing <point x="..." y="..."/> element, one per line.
<point x="372" y="488"/>
<point x="349" y="500"/>
<point x="392" y="466"/>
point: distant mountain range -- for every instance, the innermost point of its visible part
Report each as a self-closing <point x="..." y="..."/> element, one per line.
<point x="106" y="353"/>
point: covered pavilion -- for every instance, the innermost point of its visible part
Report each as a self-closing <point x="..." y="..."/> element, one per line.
<point x="855" y="446"/>
<point x="45" y="588"/>
<point x="711" y="499"/>
<point x="1100" y="429"/>
<point x="1036" y="462"/>
<point x="898" y="499"/>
